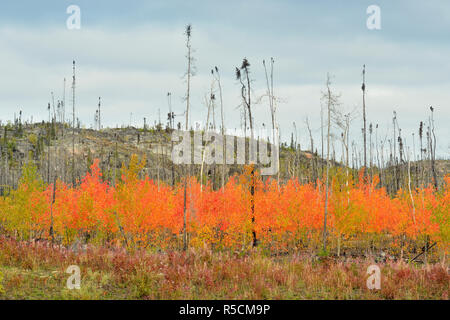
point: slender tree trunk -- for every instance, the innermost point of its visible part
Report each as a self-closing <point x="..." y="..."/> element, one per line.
<point x="364" y="115"/>
<point x="410" y="192"/>
<point x="189" y="73"/>
<point x="73" y="126"/>
<point x="51" y="210"/>
<point x="208" y="103"/>
<point x="328" y="167"/>
<point x="222" y="116"/>
<point x="433" y="151"/>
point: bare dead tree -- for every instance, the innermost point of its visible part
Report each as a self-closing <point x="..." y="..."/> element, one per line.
<point x="73" y="125"/>
<point x="246" y="98"/>
<point x="99" y="113"/>
<point x="189" y="71"/>
<point x="53" y="105"/>
<point x="189" y="74"/>
<point x="246" y="95"/>
<point x="171" y="118"/>
<point x="433" y="149"/>
<point x="275" y="133"/>
<point x="394" y="120"/>
<point x="51" y="210"/>
<point x="322" y="126"/>
<point x="364" y="114"/>
<point x="64" y="104"/>
<point x="332" y="100"/>
<point x="48" y="145"/>
<point x="209" y="103"/>
<point x="421" y="152"/>
<point x="314" y="177"/>
<point x="222" y="117"/>
<point x="409" y="188"/>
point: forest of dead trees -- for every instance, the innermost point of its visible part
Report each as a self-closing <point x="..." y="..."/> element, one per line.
<point x="63" y="149"/>
<point x="49" y="146"/>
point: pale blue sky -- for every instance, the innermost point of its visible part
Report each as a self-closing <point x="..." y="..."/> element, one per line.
<point x="132" y="53"/>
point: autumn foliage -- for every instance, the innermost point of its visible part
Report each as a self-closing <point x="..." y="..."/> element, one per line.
<point x="142" y="213"/>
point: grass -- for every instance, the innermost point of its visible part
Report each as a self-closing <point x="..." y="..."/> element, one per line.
<point x="37" y="271"/>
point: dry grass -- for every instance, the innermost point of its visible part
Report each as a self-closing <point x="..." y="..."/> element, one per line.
<point x="37" y="271"/>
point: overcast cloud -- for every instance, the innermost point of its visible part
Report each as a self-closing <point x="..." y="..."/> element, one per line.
<point x="132" y="53"/>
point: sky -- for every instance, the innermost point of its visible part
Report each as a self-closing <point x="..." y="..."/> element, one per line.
<point x="131" y="53"/>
